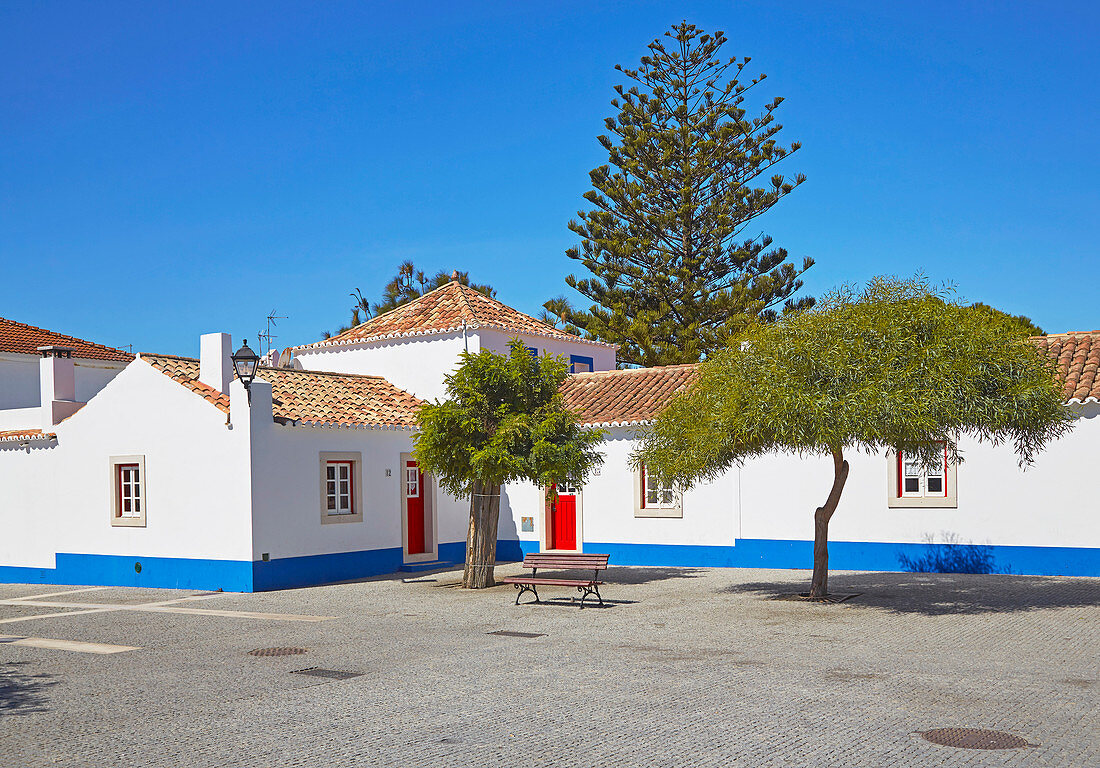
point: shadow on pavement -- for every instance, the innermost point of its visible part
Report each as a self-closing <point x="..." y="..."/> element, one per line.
<point x="22" y="693"/>
<point x="933" y="594"/>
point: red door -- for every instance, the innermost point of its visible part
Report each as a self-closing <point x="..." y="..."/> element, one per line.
<point x="563" y="519"/>
<point x="414" y="507"/>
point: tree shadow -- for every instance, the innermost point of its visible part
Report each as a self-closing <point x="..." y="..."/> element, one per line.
<point x="644" y="574"/>
<point x="22" y="693"/>
<point x="939" y="594"/>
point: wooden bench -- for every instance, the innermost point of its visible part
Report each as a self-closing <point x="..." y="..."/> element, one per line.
<point x="560" y="560"/>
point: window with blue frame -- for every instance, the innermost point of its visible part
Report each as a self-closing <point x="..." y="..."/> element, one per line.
<point x="534" y="351"/>
<point x="580" y="364"/>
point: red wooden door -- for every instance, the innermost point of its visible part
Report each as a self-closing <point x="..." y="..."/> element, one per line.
<point x="563" y="519"/>
<point x="414" y="508"/>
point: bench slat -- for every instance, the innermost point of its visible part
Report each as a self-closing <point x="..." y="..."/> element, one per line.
<point x="557" y="582"/>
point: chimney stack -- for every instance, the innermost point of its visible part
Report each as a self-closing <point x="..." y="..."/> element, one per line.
<point x="215" y="367"/>
<point x="57" y="384"/>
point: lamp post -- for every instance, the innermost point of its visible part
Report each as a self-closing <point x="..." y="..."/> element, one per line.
<point x="245" y="364"/>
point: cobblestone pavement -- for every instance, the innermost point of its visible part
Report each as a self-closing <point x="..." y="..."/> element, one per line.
<point x="687" y="668"/>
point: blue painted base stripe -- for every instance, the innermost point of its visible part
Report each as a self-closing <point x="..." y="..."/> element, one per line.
<point x="855" y="556"/>
<point x="122" y="571"/>
<point x="284" y="573"/>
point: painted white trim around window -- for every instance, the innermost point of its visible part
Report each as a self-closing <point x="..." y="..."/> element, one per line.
<point x="120" y="491"/>
<point x="355" y="458"/>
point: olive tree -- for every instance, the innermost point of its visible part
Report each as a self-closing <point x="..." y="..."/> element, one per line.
<point x="503" y="421"/>
<point x="897" y="365"/>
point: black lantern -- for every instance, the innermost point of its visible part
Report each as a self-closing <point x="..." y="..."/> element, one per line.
<point x="245" y="363"/>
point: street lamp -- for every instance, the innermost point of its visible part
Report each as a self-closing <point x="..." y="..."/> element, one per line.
<point x="245" y="363"/>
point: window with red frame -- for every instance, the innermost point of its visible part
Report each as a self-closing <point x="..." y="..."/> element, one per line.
<point x="915" y="480"/>
<point x="128" y="478"/>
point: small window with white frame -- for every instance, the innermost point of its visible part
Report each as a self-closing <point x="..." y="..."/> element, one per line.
<point x="339" y="499"/>
<point x="412" y="482"/>
<point x="128" y="500"/>
<point x="341" y="495"/>
<point x="914" y="483"/>
<point x="654" y="498"/>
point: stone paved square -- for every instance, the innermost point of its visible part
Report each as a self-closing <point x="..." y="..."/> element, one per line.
<point x="685" y="667"/>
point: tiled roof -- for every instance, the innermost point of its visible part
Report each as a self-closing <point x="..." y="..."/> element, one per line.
<point x="310" y="397"/>
<point x="445" y="310"/>
<point x="24" y="339"/>
<point x="631" y="396"/>
<point x="1078" y="357"/>
<point x="26" y="434"/>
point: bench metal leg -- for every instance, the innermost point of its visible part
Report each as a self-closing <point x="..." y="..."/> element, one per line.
<point x="526" y="588"/>
<point x="590" y="589"/>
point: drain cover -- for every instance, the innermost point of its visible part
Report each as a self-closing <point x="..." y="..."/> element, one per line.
<point x="276" y="651"/>
<point x="975" y="738"/>
<point x="507" y="633"/>
<point x="331" y="674"/>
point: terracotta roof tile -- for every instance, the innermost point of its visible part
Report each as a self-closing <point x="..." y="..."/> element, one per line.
<point x="310" y="397"/>
<point x="26" y="434"/>
<point x="24" y="339"/>
<point x="445" y="310"/>
<point x="1077" y="356"/>
<point x="628" y="396"/>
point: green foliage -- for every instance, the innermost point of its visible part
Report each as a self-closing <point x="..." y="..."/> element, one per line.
<point x="504" y="420"/>
<point x="411" y="283"/>
<point x="898" y="365"/>
<point x="408" y="284"/>
<point x="1022" y="322"/>
<point x="675" y="272"/>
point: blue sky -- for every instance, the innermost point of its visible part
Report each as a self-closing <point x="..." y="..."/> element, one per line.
<point x="173" y="169"/>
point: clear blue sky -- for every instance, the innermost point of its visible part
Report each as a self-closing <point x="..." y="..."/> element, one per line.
<point x="170" y="169"/>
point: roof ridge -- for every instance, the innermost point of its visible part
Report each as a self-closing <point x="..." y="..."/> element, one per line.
<point x="643" y="369"/>
<point x="390" y="311"/>
<point x="1065" y="334"/>
<point x="65" y="336"/>
<point x="466" y="299"/>
<point x="143" y="355"/>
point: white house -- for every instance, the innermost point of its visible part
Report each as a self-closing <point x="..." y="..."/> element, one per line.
<point x="171" y="474"/>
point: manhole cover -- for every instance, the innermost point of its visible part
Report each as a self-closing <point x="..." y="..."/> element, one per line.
<point x="507" y="633"/>
<point x="331" y="674"/>
<point x="276" y="651"/>
<point x="974" y="738"/>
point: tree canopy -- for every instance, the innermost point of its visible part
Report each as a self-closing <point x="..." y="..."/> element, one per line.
<point x="898" y="365"/>
<point x="1022" y="322"/>
<point x="675" y="270"/>
<point x="503" y="421"/>
<point x="408" y="284"/>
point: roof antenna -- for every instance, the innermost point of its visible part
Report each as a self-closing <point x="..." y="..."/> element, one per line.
<point x="268" y="336"/>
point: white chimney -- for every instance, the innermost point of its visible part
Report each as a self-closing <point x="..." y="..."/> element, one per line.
<point x="57" y="384"/>
<point x="215" y="367"/>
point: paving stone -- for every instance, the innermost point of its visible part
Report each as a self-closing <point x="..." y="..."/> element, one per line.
<point x="691" y="667"/>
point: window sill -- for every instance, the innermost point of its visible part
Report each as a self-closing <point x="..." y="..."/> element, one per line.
<point x="128" y="522"/>
<point x="918" y="502"/>
<point x="671" y="512"/>
<point x="327" y="519"/>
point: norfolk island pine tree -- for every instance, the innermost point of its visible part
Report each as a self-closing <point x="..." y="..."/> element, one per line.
<point x="675" y="269"/>
<point x="898" y="365"/>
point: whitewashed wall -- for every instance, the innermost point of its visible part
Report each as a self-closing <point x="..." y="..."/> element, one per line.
<point x="19" y="379"/>
<point x="603" y="358"/>
<point x="606" y="513"/>
<point x="1052" y="503"/>
<point x="416" y="364"/>
<point x="58" y="499"/>
<point x="287" y="492"/>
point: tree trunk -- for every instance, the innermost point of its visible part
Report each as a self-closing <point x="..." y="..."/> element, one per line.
<point x="819" y="587"/>
<point x="481" y="539"/>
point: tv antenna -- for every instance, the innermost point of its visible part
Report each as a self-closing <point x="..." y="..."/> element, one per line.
<point x="266" y="337"/>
